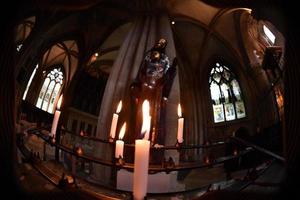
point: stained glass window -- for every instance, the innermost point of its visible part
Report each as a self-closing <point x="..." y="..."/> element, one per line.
<point x="50" y="90"/>
<point x="226" y="94"/>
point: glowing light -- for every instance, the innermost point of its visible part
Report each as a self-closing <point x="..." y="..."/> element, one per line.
<point x="122" y="132"/>
<point x="79" y="151"/>
<point x="119" y="107"/>
<point x="115" y="121"/>
<point x="269" y="34"/>
<point x="146" y="120"/>
<point x="179" y="112"/>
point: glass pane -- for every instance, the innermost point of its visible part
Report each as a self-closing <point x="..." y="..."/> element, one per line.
<point x="48" y="95"/>
<point x="215" y="93"/>
<point x="29" y="82"/>
<point x="240" y="109"/>
<point x="225" y="93"/>
<point x="218" y="113"/>
<point x="42" y="93"/>
<point x="53" y="98"/>
<point x="269" y="34"/>
<point x="221" y="69"/>
<point x="39" y="102"/>
<point x="229" y="111"/>
<point x="236" y="89"/>
<point x="217" y="77"/>
<point x="227" y="75"/>
<point x="226" y="68"/>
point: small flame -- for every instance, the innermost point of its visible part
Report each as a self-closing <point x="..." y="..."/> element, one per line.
<point x="59" y="102"/>
<point x="146" y="107"/>
<point x="146" y="120"/>
<point x="79" y="151"/>
<point x="235" y="152"/>
<point x="122" y="131"/>
<point x="207" y="160"/>
<point x="119" y="107"/>
<point x="179" y="110"/>
<point x="81" y="133"/>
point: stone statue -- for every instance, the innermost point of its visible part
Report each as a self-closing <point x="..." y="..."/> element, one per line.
<point x="153" y="82"/>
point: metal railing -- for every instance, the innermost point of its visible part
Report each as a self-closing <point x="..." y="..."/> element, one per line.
<point x="181" y="166"/>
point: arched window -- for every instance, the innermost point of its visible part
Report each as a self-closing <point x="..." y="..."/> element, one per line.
<point x="29" y="82"/>
<point x="226" y="94"/>
<point x="50" y="90"/>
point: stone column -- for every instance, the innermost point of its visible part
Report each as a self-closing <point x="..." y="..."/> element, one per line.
<point x="145" y="31"/>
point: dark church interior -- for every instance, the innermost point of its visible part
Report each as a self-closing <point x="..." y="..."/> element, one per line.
<point x="150" y="99"/>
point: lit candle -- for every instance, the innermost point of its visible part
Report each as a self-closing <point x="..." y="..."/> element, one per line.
<point x="79" y="151"/>
<point x="180" y="125"/>
<point x="235" y="152"/>
<point x="115" y="121"/>
<point x="81" y="133"/>
<point x="120" y="143"/>
<point x="207" y="161"/>
<point x="141" y="157"/>
<point x="56" y="117"/>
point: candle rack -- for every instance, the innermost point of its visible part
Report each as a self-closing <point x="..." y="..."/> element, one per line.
<point x="167" y="166"/>
<point x="152" y="168"/>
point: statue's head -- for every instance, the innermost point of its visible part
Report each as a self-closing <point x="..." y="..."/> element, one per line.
<point x="155" y="56"/>
<point x="158" y="49"/>
<point x="161" y="43"/>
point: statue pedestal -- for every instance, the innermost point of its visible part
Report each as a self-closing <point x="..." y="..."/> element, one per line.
<point x="157" y="183"/>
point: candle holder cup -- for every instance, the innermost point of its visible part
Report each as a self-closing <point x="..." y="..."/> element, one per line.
<point x="111" y="140"/>
<point x="178" y="145"/>
<point x="51" y="140"/>
<point x="120" y="161"/>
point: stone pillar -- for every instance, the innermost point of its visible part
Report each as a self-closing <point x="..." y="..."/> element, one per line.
<point x="145" y="31"/>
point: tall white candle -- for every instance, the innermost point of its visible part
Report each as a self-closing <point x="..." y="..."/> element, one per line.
<point x="120" y="143"/>
<point x="141" y="157"/>
<point x="56" y="117"/>
<point x="141" y="165"/>
<point x="180" y="125"/>
<point x="115" y="121"/>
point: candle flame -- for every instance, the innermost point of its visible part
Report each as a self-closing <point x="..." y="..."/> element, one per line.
<point x="235" y="152"/>
<point x="179" y="110"/>
<point x="207" y="161"/>
<point x="59" y="102"/>
<point x="146" y="120"/>
<point x="81" y="133"/>
<point x="119" y="107"/>
<point x="146" y="107"/>
<point x="122" y="131"/>
<point x="79" y="151"/>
